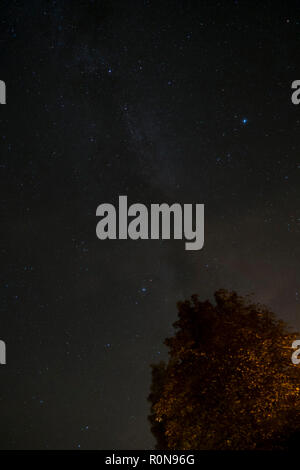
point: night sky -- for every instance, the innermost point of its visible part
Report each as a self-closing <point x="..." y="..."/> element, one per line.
<point x="162" y="101"/>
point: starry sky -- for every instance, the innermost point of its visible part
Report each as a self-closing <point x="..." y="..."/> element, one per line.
<point x="163" y="101"/>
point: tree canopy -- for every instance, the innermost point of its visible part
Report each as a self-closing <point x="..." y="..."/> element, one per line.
<point x="229" y="382"/>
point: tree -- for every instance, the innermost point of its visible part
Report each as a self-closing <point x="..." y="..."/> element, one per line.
<point x="229" y="382"/>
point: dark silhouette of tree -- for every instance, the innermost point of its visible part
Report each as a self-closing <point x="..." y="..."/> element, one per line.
<point x="229" y="382"/>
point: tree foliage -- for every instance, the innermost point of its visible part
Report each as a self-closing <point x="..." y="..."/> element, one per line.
<point x="229" y="382"/>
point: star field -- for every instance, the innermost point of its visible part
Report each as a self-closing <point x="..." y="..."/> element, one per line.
<point x="163" y="102"/>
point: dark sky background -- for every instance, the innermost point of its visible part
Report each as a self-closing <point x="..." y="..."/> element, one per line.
<point x="163" y="101"/>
